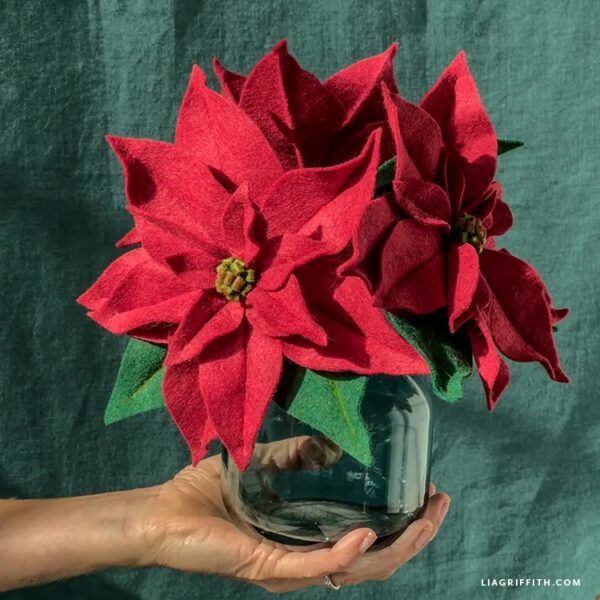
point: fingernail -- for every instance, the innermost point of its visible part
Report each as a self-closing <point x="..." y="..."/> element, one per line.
<point x="367" y="542"/>
<point x="443" y="510"/>
<point x="423" y="537"/>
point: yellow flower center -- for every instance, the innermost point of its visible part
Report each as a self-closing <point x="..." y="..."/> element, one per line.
<point x="470" y="230"/>
<point x="234" y="280"/>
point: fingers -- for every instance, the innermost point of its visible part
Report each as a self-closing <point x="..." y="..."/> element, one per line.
<point x="316" y="564"/>
<point x="417" y="535"/>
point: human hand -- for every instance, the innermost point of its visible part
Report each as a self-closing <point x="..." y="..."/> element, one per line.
<point x="188" y="527"/>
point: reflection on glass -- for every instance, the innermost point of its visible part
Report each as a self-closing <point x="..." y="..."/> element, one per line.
<point x="300" y="488"/>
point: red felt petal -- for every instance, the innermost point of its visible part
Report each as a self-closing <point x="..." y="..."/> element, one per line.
<point x="493" y="371"/>
<point x="463" y="278"/>
<point x="280" y="256"/>
<point x="186" y="406"/>
<point x="427" y="203"/>
<point x="454" y="184"/>
<point x="360" y="338"/>
<point x="238" y="223"/>
<point x="238" y="377"/>
<point x="324" y="201"/>
<point x="500" y="218"/>
<point x="129" y="239"/>
<point x="357" y="87"/>
<point x="422" y="291"/>
<point x="231" y="82"/>
<point x="417" y="136"/>
<point x="293" y="109"/>
<point x="455" y="104"/>
<point x="376" y="222"/>
<point x="283" y="313"/>
<point x="222" y="136"/>
<point x="520" y="316"/>
<point x="171" y="187"/>
<point x="137" y="292"/>
<point x="209" y="319"/>
<point x="409" y="246"/>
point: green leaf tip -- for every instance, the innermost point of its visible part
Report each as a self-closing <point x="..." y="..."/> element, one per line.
<point x="448" y="355"/>
<point x="138" y="387"/>
<point x="508" y="145"/>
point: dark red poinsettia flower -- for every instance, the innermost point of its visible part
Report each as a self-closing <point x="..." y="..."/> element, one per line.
<point x="430" y="243"/>
<point x="223" y="229"/>
<point x="309" y="123"/>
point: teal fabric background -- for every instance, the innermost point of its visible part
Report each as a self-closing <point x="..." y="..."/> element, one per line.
<point x="524" y="480"/>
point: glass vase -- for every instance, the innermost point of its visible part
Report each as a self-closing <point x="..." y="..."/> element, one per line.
<point x="301" y="489"/>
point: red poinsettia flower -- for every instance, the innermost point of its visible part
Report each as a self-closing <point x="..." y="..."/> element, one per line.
<point x="430" y="244"/>
<point x="309" y="123"/>
<point x="223" y="229"/>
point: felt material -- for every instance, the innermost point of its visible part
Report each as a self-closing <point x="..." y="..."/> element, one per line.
<point x="508" y="145"/>
<point x="187" y="407"/>
<point x="320" y="188"/>
<point x="360" y="339"/>
<point x="238" y="377"/>
<point x="448" y="355"/>
<point x="207" y="199"/>
<point x="138" y="387"/>
<point x="306" y="122"/>
<point x="454" y="103"/>
<point x="231" y="83"/>
<point x="421" y="266"/>
<point x="357" y="87"/>
<point x="331" y="404"/>
<point x="221" y="135"/>
<point x="297" y="114"/>
<point x="524" y="480"/>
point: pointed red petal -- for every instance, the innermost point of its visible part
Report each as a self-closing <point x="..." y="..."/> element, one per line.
<point x="186" y="406"/>
<point x="427" y="203"/>
<point x="520" y="316"/>
<point x="129" y="239"/>
<point x="493" y="371"/>
<point x="417" y="136"/>
<point x="238" y="222"/>
<point x="375" y="224"/>
<point x="170" y="187"/>
<point x="463" y="278"/>
<point x="455" y="104"/>
<point x="222" y="136"/>
<point x="238" y="377"/>
<point x="280" y="256"/>
<point x="135" y="292"/>
<point x="357" y="87"/>
<point x="231" y="82"/>
<point x="422" y="291"/>
<point x="325" y="201"/>
<point x="209" y="319"/>
<point x="283" y="313"/>
<point x="293" y="109"/>
<point x="360" y="338"/>
<point x="409" y="246"/>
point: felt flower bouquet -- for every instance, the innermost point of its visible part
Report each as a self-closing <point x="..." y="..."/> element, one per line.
<point x="332" y="227"/>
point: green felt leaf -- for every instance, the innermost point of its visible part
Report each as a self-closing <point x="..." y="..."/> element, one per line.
<point x="330" y="403"/>
<point x="138" y="387"/>
<point x="385" y="172"/>
<point x="508" y="145"/>
<point x="448" y="355"/>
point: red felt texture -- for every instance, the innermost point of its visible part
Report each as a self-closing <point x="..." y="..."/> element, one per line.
<point x="278" y="171"/>
<point x="296" y="113"/>
<point x="413" y="256"/>
<point x="224" y="189"/>
<point x="237" y="379"/>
